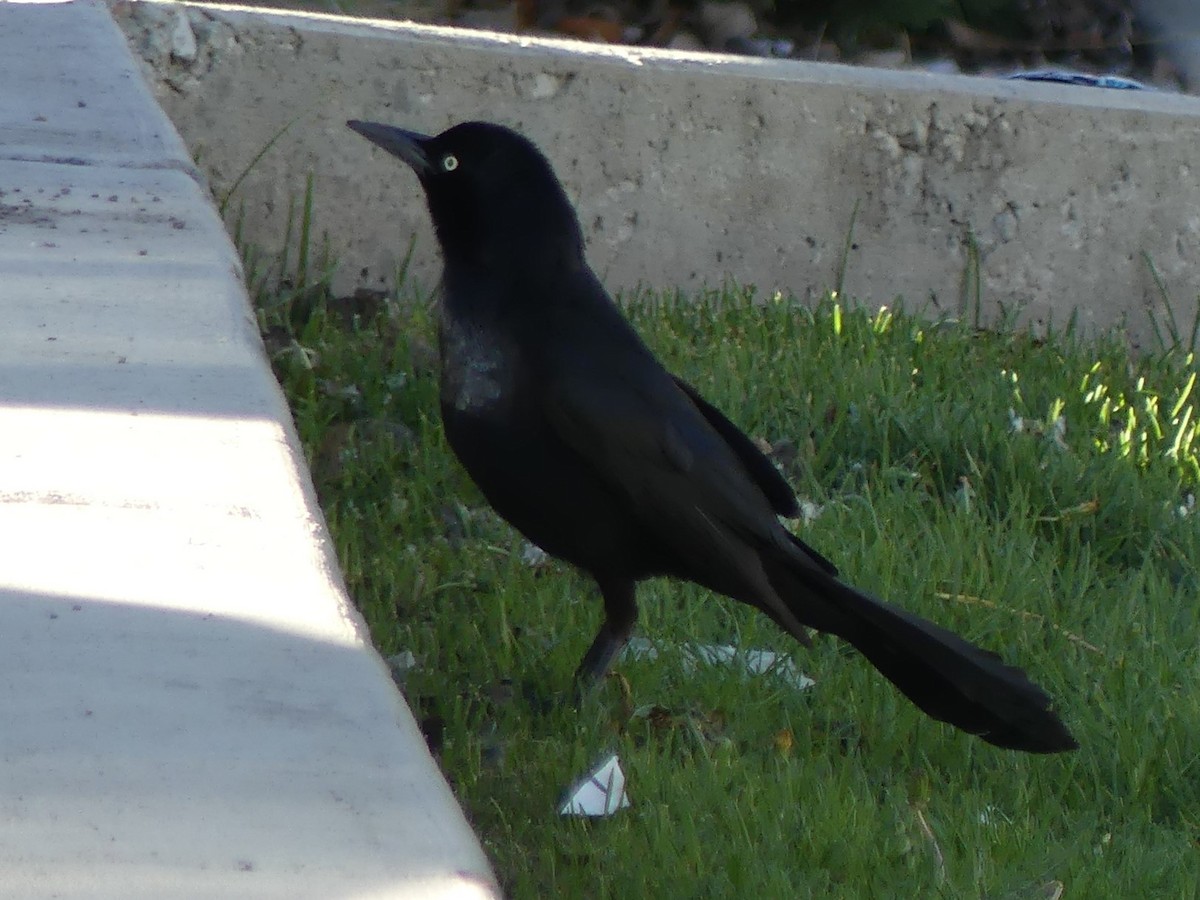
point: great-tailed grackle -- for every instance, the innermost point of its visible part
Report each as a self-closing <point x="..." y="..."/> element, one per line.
<point x="588" y="446"/>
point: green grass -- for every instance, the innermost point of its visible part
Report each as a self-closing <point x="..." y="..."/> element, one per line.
<point x="1065" y="550"/>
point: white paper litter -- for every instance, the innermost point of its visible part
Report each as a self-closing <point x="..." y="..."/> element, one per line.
<point x="752" y="662"/>
<point x="601" y="792"/>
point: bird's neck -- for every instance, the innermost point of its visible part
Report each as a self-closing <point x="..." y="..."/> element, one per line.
<point x="517" y="267"/>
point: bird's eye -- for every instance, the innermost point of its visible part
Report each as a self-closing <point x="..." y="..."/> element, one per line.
<point x="449" y="162"/>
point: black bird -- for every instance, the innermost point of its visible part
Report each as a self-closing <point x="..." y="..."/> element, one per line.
<point x="580" y="438"/>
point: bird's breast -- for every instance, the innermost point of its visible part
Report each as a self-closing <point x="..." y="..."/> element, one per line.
<point x="476" y="369"/>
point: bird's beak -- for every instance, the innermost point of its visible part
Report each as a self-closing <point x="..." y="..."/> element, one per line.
<point x="408" y="145"/>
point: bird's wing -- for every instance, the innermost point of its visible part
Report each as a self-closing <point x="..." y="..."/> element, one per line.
<point x="758" y="466"/>
<point x="683" y="479"/>
<point x="761" y="469"/>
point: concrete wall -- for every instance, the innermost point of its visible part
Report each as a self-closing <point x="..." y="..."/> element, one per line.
<point x="688" y="169"/>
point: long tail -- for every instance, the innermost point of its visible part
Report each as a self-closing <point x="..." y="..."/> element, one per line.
<point x="948" y="678"/>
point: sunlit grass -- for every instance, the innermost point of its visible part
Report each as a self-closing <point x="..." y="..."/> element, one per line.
<point x="1033" y="493"/>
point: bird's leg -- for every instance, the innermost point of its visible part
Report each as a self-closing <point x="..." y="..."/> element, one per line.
<point x="620" y="611"/>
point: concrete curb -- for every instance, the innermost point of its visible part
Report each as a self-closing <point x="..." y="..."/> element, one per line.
<point x="688" y="169"/>
<point x="192" y="708"/>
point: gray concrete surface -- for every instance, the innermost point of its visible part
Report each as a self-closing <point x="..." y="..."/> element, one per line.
<point x="189" y="705"/>
<point x="689" y="169"/>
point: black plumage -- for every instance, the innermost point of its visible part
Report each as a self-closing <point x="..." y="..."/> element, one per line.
<point x="580" y="438"/>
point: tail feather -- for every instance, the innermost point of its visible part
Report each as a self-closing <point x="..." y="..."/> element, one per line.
<point x="947" y="677"/>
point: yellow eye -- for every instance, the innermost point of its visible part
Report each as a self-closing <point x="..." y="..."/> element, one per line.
<point x="449" y="162"/>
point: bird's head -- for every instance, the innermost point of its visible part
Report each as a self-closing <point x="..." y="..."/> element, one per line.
<point x="493" y="196"/>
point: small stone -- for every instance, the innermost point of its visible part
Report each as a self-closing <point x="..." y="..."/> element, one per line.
<point x="943" y="67"/>
<point x="183" y="39"/>
<point x="685" y="40"/>
<point x="400" y="665"/>
<point x="544" y="86"/>
<point x="534" y="556"/>
<point x="884" y="59"/>
<point x="1004" y="225"/>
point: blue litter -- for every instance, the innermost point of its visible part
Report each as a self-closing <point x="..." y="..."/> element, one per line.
<point x="1058" y="76"/>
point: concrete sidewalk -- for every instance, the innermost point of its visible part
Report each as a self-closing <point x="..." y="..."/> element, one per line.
<point x="189" y="703"/>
